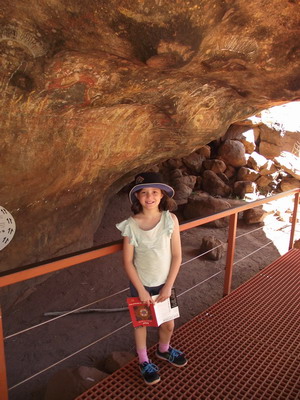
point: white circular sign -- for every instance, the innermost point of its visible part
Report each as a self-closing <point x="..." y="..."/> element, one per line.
<point x="7" y="227"/>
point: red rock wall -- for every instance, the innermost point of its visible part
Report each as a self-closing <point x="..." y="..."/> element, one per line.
<point x="92" y="92"/>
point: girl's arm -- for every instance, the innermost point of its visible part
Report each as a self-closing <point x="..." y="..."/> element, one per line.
<point x="165" y="292"/>
<point x="128" y="250"/>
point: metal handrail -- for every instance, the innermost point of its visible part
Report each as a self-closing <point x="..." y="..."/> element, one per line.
<point x="31" y="271"/>
<point x="45" y="267"/>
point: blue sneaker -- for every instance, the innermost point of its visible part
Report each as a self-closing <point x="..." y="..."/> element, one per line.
<point x="175" y="357"/>
<point x="149" y="373"/>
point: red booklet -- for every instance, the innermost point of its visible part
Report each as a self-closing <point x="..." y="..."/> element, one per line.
<point x="155" y="314"/>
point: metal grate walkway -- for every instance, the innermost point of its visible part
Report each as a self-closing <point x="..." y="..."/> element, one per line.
<point x="246" y="346"/>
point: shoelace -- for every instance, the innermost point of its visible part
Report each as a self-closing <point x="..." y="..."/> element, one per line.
<point x="149" y="368"/>
<point x="174" y="354"/>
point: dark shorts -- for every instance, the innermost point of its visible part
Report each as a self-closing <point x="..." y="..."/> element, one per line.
<point x="151" y="290"/>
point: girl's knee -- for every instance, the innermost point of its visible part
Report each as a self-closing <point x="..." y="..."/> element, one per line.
<point x="168" y="326"/>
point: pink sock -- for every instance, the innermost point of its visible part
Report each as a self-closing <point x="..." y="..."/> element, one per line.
<point x="163" y="348"/>
<point x="143" y="356"/>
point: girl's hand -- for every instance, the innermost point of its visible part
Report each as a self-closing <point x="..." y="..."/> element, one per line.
<point x="164" y="294"/>
<point x="146" y="298"/>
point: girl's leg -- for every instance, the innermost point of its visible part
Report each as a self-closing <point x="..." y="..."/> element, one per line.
<point x="165" y="333"/>
<point x="165" y="351"/>
<point x="140" y="335"/>
<point x="148" y="370"/>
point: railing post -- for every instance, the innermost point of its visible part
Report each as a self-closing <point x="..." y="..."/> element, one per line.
<point x="230" y="253"/>
<point x="294" y="220"/>
<point x="3" y="377"/>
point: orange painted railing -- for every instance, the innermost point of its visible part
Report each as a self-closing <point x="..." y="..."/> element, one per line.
<point x="33" y="271"/>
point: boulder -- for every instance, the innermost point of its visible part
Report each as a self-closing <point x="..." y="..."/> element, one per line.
<point x="69" y="383"/>
<point x="214" y="246"/>
<point x="204" y="151"/>
<point x="116" y="360"/>
<point x="243" y="134"/>
<point x="182" y="193"/>
<point x="194" y="162"/>
<point x="247" y="174"/>
<point x="214" y="185"/>
<point x="173" y="163"/>
<point x="175" y="174"/>
<point x="254" y="215"/>
<point x="256" y="161"/>
<point x="240" y="188"/>
<point x="269" y="150"/>
<point x="202" y="204"/>
<point x="236" y="202"/>
<point x="198" y="183"/>
<point x="248" y="140"/>
<point x="269" y="168"/>
<point x="89" y="376"/>
<point x="224" y="177"/>
<point x="289" y="183"/>
<point x="232" y="152"/>
<point x="275" y="138"/>
<point x="216" y="166"/>
<point x="188" y="180"/>
<point x="230" y="172"/>
<point x="183" y="186"/>
<point x="289" y="163"/>
<point x="264" y="181"/>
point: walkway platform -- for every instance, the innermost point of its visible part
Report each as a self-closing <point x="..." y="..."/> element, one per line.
<point x="246" y="346"/>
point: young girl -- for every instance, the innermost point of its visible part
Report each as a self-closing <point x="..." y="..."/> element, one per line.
<point x="152" y="257"/>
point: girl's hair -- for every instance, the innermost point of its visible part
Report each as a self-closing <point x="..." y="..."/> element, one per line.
<point x="166" y="203"/>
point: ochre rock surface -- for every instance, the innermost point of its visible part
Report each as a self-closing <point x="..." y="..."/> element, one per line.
<point x="94" y="91"/>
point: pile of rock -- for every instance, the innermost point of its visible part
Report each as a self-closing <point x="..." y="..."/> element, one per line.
<point x="210" y="179"/>
<point x="233" y="173"/>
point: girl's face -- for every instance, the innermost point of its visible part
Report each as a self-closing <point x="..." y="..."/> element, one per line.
<point x="149" y="197"/>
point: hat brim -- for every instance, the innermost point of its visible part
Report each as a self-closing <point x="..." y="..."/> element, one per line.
<point x="168" y="189"/>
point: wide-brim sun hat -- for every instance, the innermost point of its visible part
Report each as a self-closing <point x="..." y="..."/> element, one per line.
<point x="149" y="179"/>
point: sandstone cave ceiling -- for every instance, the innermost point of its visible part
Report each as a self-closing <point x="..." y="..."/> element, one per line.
<point x="92" y="91"/>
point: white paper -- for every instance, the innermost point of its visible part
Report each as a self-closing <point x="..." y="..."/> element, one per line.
<point x="164" y="311"/>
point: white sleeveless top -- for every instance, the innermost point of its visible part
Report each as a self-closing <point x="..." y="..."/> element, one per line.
<point x="152" y="248"/>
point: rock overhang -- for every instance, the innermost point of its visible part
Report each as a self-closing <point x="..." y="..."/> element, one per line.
<point x="94" y="91"/>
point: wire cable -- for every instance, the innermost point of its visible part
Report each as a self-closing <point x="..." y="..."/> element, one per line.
<point x="200" y="255"/>
<point x="253" y="252"/>
<point x="200" y="283"/>
<point x="129" y="323"/>
<point x="123" y="290"/>
<point x="89" y="310"/>
<point x="69" y="356"/>
<point x="61" y="316"/>
<point x="98" y="340"/>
